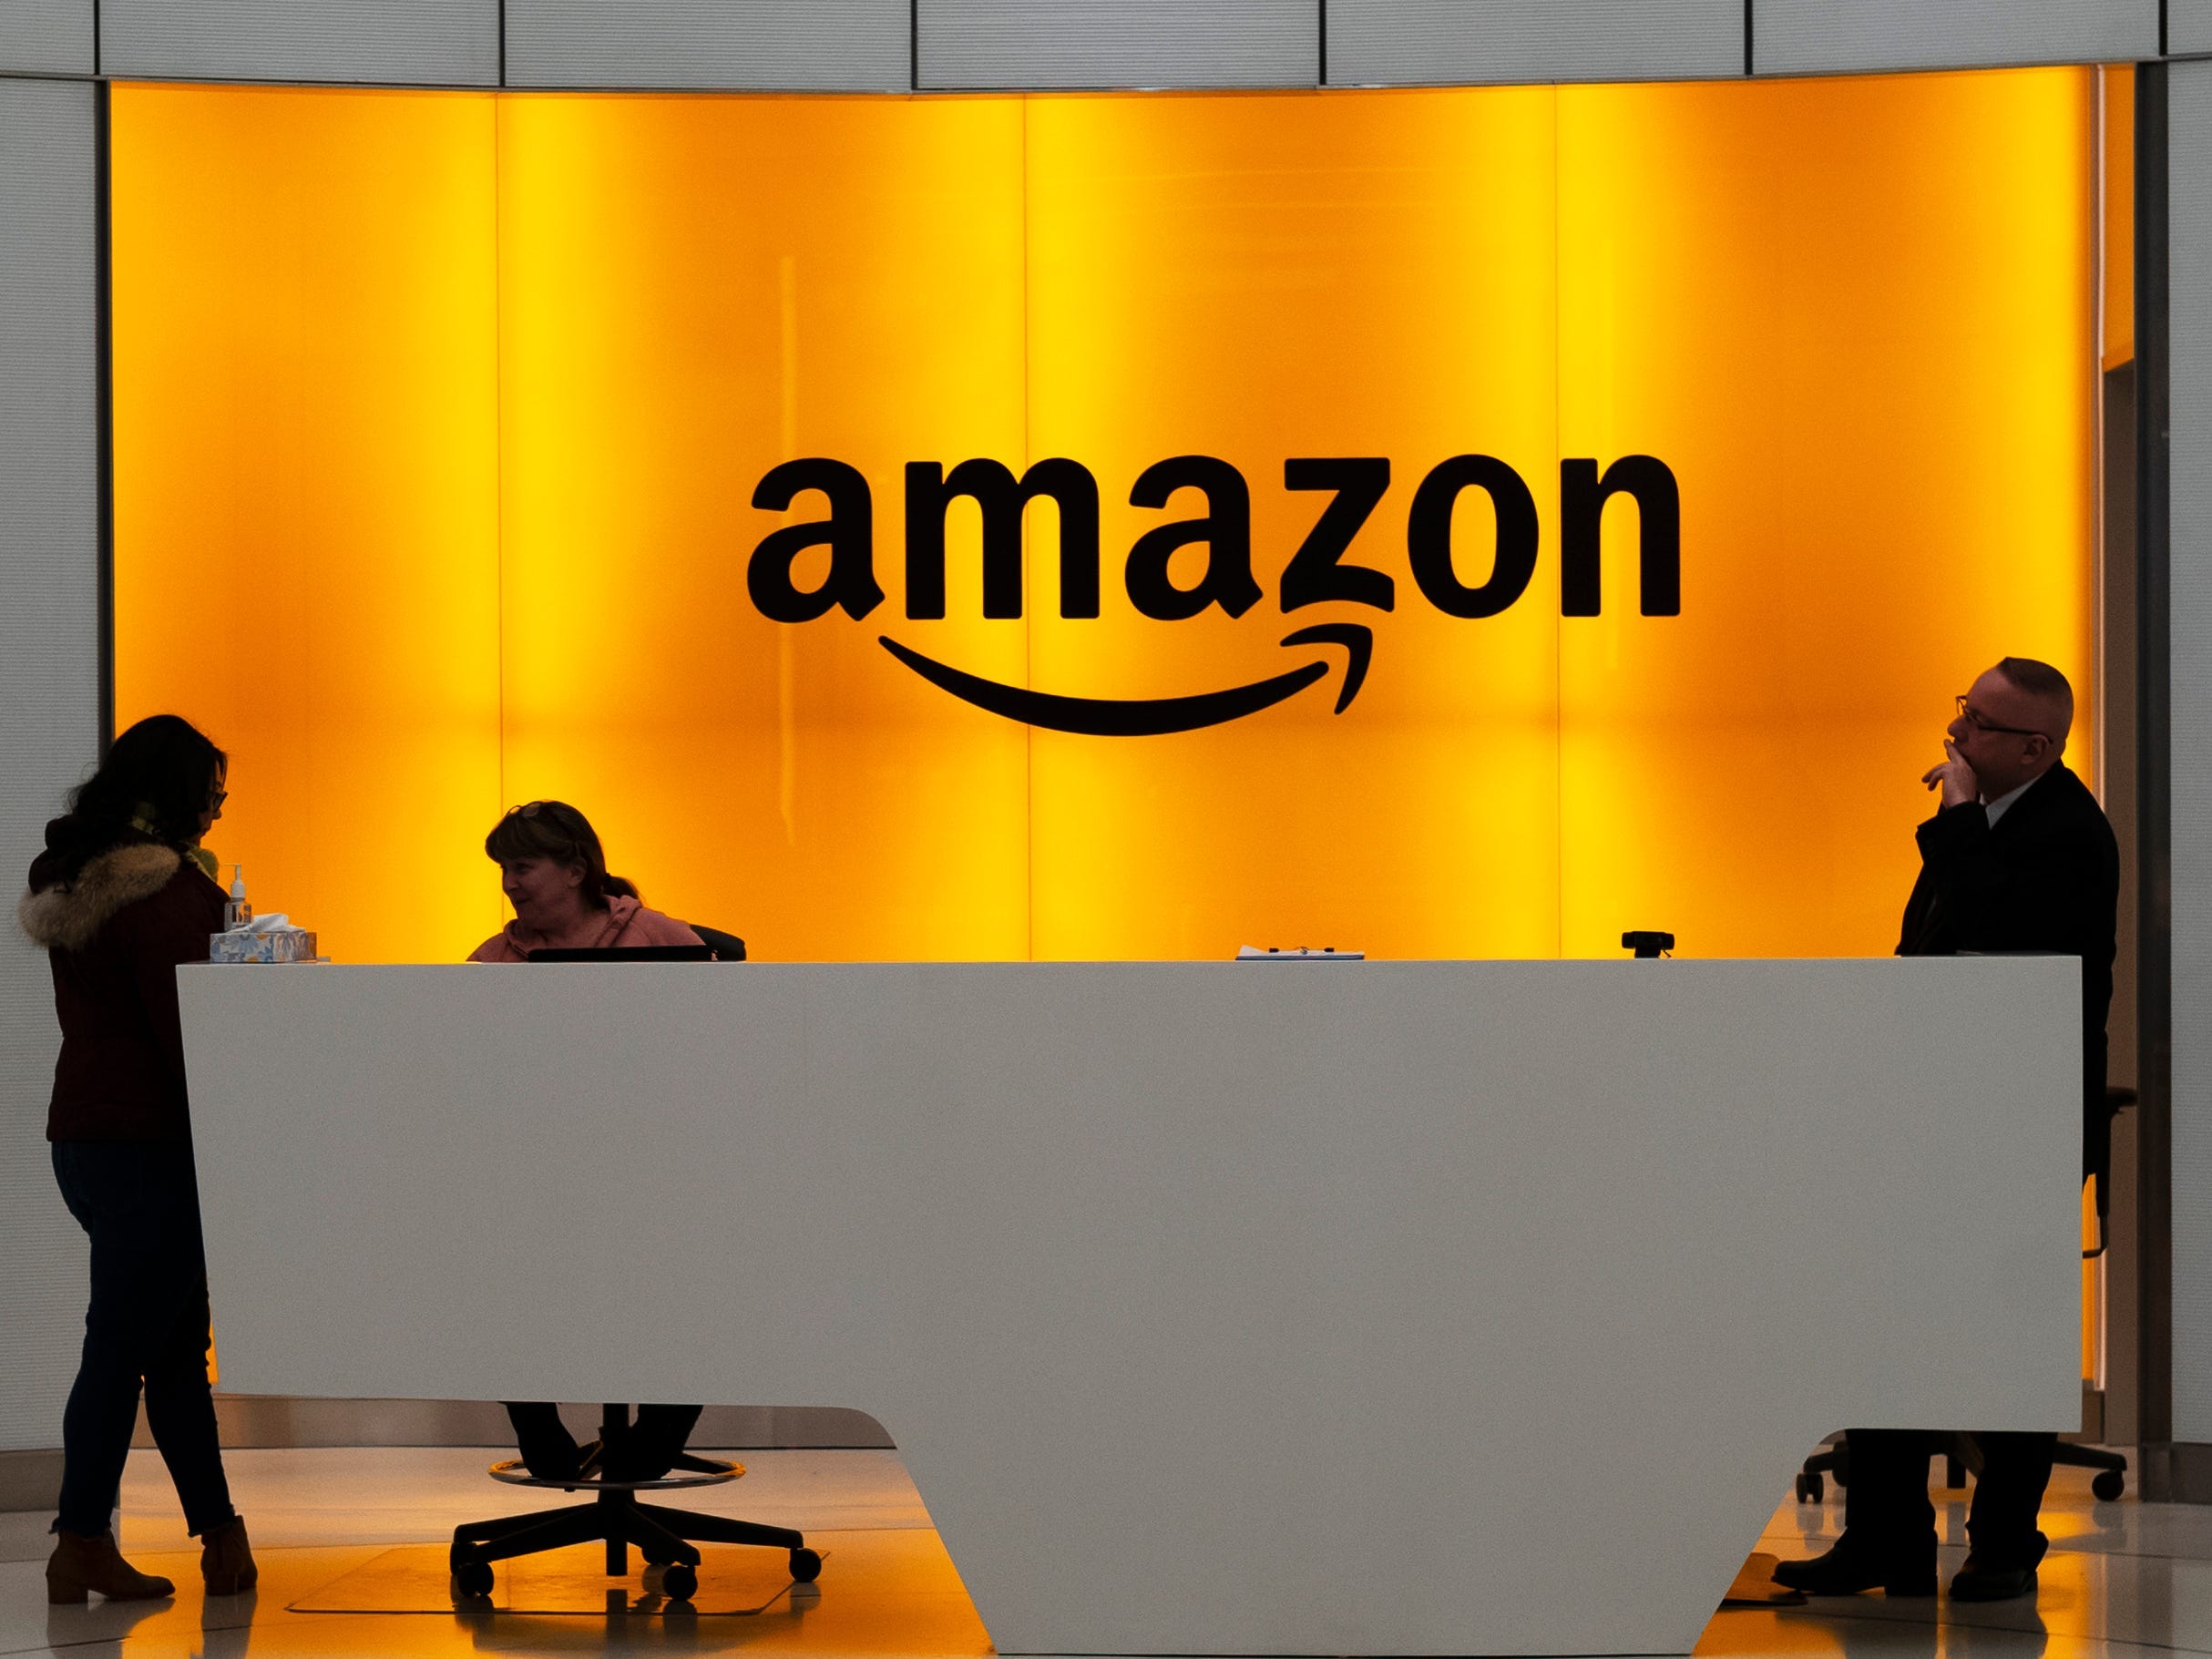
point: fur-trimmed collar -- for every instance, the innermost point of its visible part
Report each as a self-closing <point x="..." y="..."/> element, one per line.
<point x="66" y="918"/>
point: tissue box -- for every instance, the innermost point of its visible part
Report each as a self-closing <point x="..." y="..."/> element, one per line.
<point x="278" y="945"/>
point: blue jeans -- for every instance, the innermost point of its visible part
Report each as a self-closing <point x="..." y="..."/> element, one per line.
<point x="148" y="1325"/>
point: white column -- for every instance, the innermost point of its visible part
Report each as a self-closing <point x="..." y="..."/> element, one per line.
<point x="50" y="690"/>
<point x="2189" y="198"/>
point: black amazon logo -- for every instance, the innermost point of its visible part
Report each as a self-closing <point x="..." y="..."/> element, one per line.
<point x="1318" y="572"/>
<point x="1151" y="716"/>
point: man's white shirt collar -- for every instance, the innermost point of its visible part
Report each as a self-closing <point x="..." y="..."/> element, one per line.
<point x="2004" y="802"/>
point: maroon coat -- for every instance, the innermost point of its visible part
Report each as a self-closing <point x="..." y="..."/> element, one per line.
<point x="114" y="933"/>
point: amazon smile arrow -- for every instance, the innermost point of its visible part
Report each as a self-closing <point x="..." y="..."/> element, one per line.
<point x="1151" y="716"/>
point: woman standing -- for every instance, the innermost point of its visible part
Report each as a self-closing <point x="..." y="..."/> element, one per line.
<point x="122" y="893"/>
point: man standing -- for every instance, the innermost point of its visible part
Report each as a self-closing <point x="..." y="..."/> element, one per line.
<point x="2019" y="857"/>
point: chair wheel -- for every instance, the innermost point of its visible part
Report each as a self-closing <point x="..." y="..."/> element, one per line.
<point x="473" y="1578"/>
<point x="1810" y="1489"/>
<point x="805" y="1566"/>
<point x="679" y="1582"/>
<point x="2109" y="1485"/>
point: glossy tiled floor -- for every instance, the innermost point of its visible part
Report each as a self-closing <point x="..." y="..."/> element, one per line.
<point x="2121" y="1580"/>
<point x="334" y="1528"/>
<point x="328" y="1526"/>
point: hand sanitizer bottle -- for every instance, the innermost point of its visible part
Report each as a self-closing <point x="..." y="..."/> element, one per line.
<point x="238" y="912"/>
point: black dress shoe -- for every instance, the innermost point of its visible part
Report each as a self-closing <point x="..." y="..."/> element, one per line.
<point x="550" y="1459"/>
<point x="1846" y="1572"/>
<point x="1981" y="1582"/>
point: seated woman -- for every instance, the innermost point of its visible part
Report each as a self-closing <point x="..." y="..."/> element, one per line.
<point x="554" y="872"/>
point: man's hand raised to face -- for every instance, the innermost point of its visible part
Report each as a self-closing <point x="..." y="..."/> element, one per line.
<point x="1954" y="777"/>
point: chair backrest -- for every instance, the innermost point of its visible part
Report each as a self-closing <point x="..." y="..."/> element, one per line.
<point x="726" y="947"/>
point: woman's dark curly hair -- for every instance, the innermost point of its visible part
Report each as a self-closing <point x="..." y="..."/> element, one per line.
<point x="556" y="830"/>
<point x="161" y="775"/>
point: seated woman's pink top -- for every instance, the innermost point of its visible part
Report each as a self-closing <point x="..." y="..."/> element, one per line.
<point x="624" y="922"/>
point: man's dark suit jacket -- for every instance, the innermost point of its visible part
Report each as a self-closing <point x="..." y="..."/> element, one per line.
<point x="2047" y="878"/>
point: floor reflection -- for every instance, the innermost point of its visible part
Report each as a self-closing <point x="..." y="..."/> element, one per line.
<point x="2122" y="1581"/>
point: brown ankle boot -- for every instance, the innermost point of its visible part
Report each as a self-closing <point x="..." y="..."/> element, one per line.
<point x="226" y="1560"/>
<point x="81" y="1564"/>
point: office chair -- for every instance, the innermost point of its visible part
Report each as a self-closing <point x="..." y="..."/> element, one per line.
<point x="2111" y="1478"/>
<point x="726" y="947"/>
<point x="664" y="1537"/>
<point x="617" y="1518"/>
<point x="1960" y="1454"/>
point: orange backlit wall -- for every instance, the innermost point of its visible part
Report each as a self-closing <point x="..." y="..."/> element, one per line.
<point x="439" y="417"/>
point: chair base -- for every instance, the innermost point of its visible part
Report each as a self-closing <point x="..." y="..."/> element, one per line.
<point x="2111" y="1479"/>
<point x="664" y="1537"/>
<point x="2107" y="1486"/>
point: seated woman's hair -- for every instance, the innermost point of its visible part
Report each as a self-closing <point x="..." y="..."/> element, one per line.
<point x="158" y="777"/>
<point x="557" y="830"/>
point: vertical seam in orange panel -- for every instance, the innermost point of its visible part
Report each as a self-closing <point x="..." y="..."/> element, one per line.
<point x="2093" y="90"/>
<point x="498" y="452"/>
<point x="1558" y="622"/>
<point x="1029" y="619"/>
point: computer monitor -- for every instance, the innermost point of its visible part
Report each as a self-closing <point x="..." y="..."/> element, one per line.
<point x="634" y="953"/>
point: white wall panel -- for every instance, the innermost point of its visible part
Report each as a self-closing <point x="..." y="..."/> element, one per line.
<point x="2188" y="25"/>
<point x="1843" y="37"/>
<point x="1456" y="42"/>
<point x="2189" y="196"/>
<point x="50" y="693"/>
<point x="433" y="42"/>
<point x="45" y="36"/>
<point x="826" y="46"/>
<point x="1132" y="42"/>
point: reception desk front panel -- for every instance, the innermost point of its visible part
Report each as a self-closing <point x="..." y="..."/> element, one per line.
<point x="1193" y="1294"/>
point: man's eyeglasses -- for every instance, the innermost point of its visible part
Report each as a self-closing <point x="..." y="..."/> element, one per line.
<point x="1980" y="724"/>
<point x="216" y="800"/>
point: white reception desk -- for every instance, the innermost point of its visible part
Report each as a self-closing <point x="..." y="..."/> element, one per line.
<point x="1393" y="1307"/>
